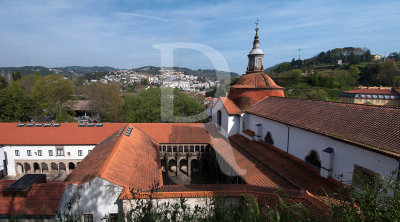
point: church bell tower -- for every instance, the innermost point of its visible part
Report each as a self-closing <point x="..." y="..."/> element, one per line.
<point x="256" y="55"/>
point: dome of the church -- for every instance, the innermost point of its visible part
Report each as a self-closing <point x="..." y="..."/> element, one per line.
<point x="252" y="87"/>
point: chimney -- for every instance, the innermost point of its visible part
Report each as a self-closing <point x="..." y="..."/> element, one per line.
<point x="327" y="162"/>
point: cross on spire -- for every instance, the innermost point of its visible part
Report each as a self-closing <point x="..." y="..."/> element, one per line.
<point x="256" y="25"/>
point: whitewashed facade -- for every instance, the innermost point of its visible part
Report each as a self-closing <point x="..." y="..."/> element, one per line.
<point x="338" y="159"/>
<point x="338" y="165"/>
<point x="2" y="162"/>
<point x="98" y="198"/>
<point x="230" y="124"/>
<point x="22" y="159"/>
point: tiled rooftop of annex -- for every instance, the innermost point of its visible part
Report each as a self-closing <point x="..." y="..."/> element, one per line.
<point x="42" y="199"/>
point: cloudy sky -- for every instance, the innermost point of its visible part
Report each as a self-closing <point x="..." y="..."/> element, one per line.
<point x="122" y="34"/>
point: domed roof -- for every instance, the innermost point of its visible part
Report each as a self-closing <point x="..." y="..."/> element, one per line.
<point x="253" y="87"/>
<point x="256" y="51"/>
<point x="256" y="80"/>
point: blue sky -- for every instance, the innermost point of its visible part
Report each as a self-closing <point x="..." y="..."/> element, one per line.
<point x="122" y="33"/>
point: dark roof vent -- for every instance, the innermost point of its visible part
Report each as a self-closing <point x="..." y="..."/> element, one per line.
<point x="24" y="184"/>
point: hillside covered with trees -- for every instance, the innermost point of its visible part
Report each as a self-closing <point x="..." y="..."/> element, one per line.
<point x="326" y="75"/>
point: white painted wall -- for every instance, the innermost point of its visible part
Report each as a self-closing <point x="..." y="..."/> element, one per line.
<point x="230" y="124"/>
<point x="233" y="125"/>
<point x="70" y="153"/>
<point x="2" y="158"/>
<point x="99" y="197"/>
<point x="224" y="117"/>
<point x="301" y="142"/>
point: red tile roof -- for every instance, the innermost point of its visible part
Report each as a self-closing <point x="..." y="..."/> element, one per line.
<point x="251" y="88"/>
<point x="290" y="167"/>
<point x="42" y="199"/>
<point x="230" y="106"/>
<point x="372" y="127"/>
<point x="265" y="196"/>
<point x="66" y="134"/>
<point x="128" y="161"/>
<point x="372" y="91"/>
<point x="249" y="132"/>
<point x="175" y="132"/>
<point x="71" y="134"/>
<point x="253" y="171"/>
<point x="256" y="80"/>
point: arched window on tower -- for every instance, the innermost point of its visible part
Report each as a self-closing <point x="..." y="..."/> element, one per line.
<point x="313" y="159"/>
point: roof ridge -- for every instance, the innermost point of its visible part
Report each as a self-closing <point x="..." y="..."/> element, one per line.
<point x="113" y="152"/>
<point x="245" y="110"/>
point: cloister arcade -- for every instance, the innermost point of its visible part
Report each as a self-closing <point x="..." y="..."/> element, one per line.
<point x="192" y="163"/>
<point x="45" y="167"/>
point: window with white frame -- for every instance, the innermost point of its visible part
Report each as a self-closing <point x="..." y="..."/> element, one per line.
<point x="39" y="152"/>
<point x="50" y="152"/>
<point x="16" y="152"/>
<point x="29" y="152"/>
<point x="60" y="151"/>
<point x="79" y="152"/>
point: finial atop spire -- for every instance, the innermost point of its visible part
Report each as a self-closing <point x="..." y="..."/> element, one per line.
<point x="256" y="26"/>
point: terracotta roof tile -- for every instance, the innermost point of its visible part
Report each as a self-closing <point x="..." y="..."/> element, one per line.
<point x="290" y="167"/>
<point x="265" y="196"/>
<point x="256" y="80"/>
<point x="372" y="91"/>
<point x="175" y="132"/>
<point x="373" y="127"/>
<point x="66" y="134"/>
<point x="71" y="134"/>
<point x="253" y="171"/>
<point x="230" y="106"/>
<point x="42" y="199"/>
<point x="128" y="161"/>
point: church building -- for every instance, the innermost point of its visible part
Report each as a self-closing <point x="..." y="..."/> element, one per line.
<point x="339" y="140"/>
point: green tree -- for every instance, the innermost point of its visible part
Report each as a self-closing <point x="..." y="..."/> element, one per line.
<point x="146" y="106"/>
<point x="15" y="106"/>
<point x="16" y="75"/>
<point x="352" y="77"/>
<point x="314" y="94"/>
<point x="144" y="81"/>
<point x="388" y="73"/>
<point x="3" y="82"/>
<point x="51" y="92"/>
<point x="27" y="82"/>
<point x="106" y="101"/>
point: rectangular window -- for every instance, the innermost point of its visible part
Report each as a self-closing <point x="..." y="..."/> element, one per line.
<point x="50" y="152"/>
<point x="363" y="177"/>
<point x="29" y="152"/>
<point x="60" y="151"/>
<point x="39" y="152"/>
<point x="88" y="217"/>
<point x="79" y="152"/>
<point x="16" y="152"/>
<point x="113" y="218"/>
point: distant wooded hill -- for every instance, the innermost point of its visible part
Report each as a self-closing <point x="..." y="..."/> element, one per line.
<point x="330" y="58"/>
<point x="96" y="71"/>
